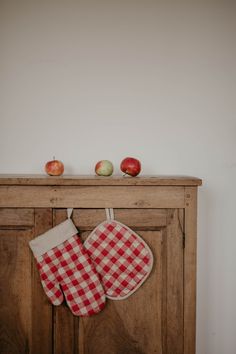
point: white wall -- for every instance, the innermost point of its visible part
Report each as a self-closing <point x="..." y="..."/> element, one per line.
<point x="94" y="79"/>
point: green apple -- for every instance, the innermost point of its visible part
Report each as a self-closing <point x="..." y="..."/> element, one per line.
<point x="104" y="168"/>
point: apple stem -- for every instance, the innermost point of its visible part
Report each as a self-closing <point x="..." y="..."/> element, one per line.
<point x="54" y="158"/>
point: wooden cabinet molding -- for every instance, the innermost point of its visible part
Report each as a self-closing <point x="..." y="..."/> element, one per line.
<point x="80" y="180"/>
<point x="159" y="318"/>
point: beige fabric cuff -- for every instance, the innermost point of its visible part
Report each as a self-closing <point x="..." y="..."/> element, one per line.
<point x="53" y="237"/>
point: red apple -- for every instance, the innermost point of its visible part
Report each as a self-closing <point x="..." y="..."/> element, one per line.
<point x="104" y="168"/>
<point x="54" y="168"/>
<point x="130" y="166"/>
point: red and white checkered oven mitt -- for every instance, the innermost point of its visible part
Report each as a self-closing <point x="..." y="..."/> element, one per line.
<point x="121" y="257"/>
<point x="65" y="267"/>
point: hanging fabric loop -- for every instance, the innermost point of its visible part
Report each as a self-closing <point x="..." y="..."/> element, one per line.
<point x="69" y="212"/>
<point x="109" y="213"/>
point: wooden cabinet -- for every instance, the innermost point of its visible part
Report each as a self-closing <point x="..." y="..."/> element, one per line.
<point x="159" y="318"/>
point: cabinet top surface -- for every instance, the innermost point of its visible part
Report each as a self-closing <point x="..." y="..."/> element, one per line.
<point x="91" y="180"/>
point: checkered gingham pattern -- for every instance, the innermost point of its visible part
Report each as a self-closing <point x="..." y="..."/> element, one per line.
<point x="67" y="268"/>
<point x="121" y="257"/>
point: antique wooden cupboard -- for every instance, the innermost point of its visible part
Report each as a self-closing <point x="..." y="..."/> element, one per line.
<point x="158" y="318"/>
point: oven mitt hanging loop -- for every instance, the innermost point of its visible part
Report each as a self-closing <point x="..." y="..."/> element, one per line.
<point x="121" y="257"/>
<point x="65" y="268"/>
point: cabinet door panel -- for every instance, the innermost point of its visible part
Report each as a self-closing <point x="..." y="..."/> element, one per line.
<point x="15" y="289"/>
<point x="16" y="217"/>
<point x="25" y="311"/>
<point x="149" y="321"/>
<point x="132" y="325"/>
<point x="65" y="328"/>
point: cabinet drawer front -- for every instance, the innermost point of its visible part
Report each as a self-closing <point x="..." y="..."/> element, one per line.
<point x="92" y="197"/>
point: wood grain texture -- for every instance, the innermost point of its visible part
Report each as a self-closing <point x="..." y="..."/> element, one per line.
<point x="164" y="291"/>
<point x="15" y="291"/>
<point x="190" y="270"/>
<point x="92" y="197"/>
<point x="88" y="219"/>
<point x="92" y="180"/>
<point x="65" y="336"/>
<point x="174" y="286"/>
<point x="16" y="217"/>
<point x="42" y="310"/>
<point x="133" y="325"/>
